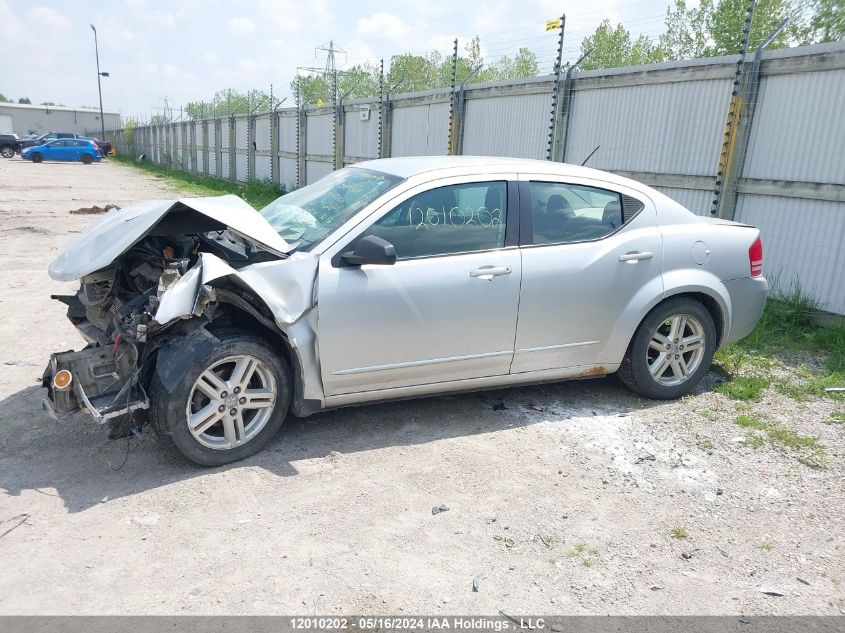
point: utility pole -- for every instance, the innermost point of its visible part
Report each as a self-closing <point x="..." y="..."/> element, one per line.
<point x="99" y="87"/>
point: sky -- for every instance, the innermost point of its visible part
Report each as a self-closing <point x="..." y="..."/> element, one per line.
<point x="186" y="50"/>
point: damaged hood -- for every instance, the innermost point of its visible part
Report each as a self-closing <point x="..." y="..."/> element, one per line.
<point x="116" y="232"/>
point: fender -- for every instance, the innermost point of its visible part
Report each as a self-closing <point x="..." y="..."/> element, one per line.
<point x="674" y="283"/>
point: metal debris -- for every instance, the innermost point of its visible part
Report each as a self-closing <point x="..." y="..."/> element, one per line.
<point x="441" y="508"/>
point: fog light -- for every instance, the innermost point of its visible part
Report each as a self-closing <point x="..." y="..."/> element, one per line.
<point x="62" y="379"/>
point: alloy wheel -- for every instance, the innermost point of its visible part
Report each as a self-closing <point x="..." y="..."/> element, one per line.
<point x="231" y="402"/>
<point x="675" y="350"/>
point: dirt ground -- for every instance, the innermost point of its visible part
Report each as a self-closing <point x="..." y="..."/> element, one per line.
<point x="577" y="498"/>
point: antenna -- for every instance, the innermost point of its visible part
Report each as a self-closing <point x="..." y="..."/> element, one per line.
<point x="591" y="155"/>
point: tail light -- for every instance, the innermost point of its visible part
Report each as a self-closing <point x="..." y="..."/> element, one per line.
<point x="755" y="257"/>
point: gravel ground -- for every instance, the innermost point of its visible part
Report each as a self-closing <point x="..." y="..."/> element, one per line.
<point x="577" y="498"/>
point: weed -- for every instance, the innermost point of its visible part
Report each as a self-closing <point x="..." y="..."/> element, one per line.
<point x="706" y="445"/>
<point x="837" y="417"/>
<point x="743" y="388"/>
<point x="765" y="546"/>
<point x="679" y="533"/>
<point x="750" y="422"/>
<point x="587" y="555"/>
<point x="782" y="437"/>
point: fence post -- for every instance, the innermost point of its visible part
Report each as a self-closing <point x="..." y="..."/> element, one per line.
<point x="750" y="90"/>
<point x="250" y="147"/>
<point x="193" y="136"/>
<point x="218" y="148"/>
<point x="185" y="145"/>
<point x="204" y="128"/>
<point x="233" y="157"/>
<point x="339" y="138"/>
<point x="726" y="175"/>
<point x="301" y="141"/>
<point x="275" y="171"/>
<point x="453" y="119"/>
<point x="386" y="122"/>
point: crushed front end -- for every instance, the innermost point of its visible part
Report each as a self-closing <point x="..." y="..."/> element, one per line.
<point x="114" y="311"/>
<point x="144" y="274"/>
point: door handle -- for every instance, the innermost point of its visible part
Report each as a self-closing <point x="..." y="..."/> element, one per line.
<point x="488" y="272"/>
<point x="634" y="256"/>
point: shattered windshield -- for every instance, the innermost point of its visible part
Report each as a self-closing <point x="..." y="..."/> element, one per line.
<point x="307" y="215"/>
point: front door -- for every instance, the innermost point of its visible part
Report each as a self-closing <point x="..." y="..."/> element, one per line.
<point x="446" y="310"/>
<point x="591" y="262"/>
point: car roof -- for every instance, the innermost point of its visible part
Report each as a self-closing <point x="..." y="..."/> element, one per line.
<point x="414" y="165"/>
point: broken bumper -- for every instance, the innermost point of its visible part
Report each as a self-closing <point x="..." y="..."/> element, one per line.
<point x="102" y="383"/>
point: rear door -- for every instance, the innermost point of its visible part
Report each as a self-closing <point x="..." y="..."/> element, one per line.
<point x="446" y="310"/>
<point x="591" y="258"/>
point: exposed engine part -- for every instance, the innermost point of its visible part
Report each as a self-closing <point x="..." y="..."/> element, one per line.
<point x="103" y="382"/>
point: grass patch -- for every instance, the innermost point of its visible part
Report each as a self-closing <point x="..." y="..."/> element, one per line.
<point x="679" y="533"/>
<point x="813" y="453"/>
<point x="258" y="193"/>
<point x="743" y="388"/>
<point x="786" y="328"/>
<point x="837" y="417"/>
<point x="587" y="555"/>
<point x="766" y="547"/>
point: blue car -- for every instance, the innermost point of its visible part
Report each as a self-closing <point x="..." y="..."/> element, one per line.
<point x="63" y="149"/>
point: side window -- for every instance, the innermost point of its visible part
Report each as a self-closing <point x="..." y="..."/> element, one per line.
<point x="573" y="213"/>
<point x="446" y="220"/>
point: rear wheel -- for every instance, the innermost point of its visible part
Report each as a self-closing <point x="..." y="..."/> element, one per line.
<point x="671" y="351"/>
<point x="228" y="406"/>
<point x="87" y="159"/>
<point x="37" y="158"/>
<point x="7" y="151"/>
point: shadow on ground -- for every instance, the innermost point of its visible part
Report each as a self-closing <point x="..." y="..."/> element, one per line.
<point x="74" y="460"/>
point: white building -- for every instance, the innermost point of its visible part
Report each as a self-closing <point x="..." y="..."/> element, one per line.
<point x="23" y="119"/>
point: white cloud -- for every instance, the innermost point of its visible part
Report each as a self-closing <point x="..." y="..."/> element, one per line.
<point x="242" y="25"/>
<point x="208" y="57"/>
<point x="163" y="19"/>
<point x="383" y="25"/>
<point x="313" y="16"/>
<point x="49" y="18"/>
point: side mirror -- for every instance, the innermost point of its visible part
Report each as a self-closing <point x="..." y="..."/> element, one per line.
<point x="371" y="250"/>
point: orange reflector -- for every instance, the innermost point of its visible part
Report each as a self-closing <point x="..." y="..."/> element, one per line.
<point x="62" y="379"/>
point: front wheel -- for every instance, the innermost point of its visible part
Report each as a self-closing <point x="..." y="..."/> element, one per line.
<point x="671" y="350"/>
<point x="229" y="404"/>
<point x="37" y="158"/>
<point x="7" y="152"/>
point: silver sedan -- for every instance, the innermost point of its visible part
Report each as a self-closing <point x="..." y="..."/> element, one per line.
<point x="390" y="279"/>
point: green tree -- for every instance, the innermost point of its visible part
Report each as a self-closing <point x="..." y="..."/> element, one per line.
<point x="686" y="34"/>
<point x="4" y="99"/>
<point x="414" y="73"/>
<point x="614" y="47"/>
<point x="523" y="64"/>
<point x="358" y="82"/>
<point x="729" y="18"/>
<point x="159" y="119"/>
<point x="229" y="102"/>
<point x="828" y="21"/>
<point x="24" y="100"/>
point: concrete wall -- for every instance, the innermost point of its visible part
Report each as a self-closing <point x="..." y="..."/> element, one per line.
<point x="661" y="124"/>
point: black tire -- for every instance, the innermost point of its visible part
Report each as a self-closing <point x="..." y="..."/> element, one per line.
<point x="87" y="159"/>
<point x="168" y="410"/>
<point x="7" y="151"/>
<point x="37" y="158"/>
<point x="634" y="370"/>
